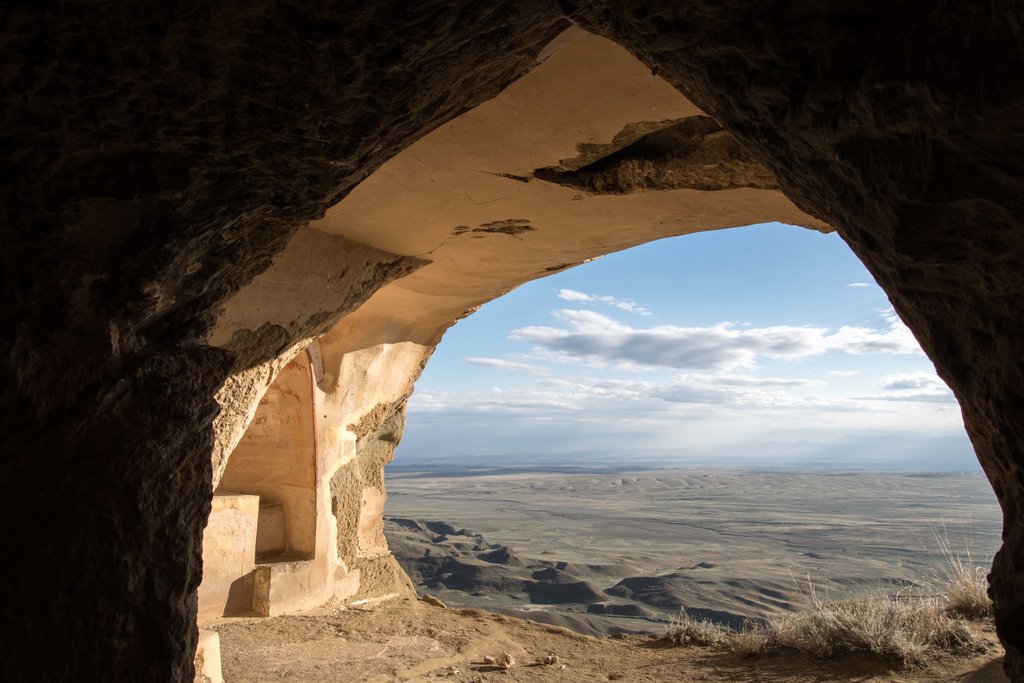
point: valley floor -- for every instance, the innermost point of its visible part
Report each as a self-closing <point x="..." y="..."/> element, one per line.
<point x="602" y="552"/>
<point x="406" y="640"/>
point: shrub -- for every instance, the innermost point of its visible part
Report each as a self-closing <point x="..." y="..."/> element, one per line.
<point x="754" y="639"/>
<point x="965" y="585"/>
<point x="904" y="630"/>
<point x="966" y="593"/>
<point x="685" y="630"/>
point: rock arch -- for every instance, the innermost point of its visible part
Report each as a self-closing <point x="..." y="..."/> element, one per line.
<point x="158" y="160"/>
<point x="460" y="184"/>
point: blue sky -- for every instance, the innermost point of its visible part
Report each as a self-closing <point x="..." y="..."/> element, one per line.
<point x="766" y="345"/>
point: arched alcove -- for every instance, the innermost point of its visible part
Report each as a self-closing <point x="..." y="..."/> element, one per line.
<point x="276" y="460"/>
<point x="263" y="522"/>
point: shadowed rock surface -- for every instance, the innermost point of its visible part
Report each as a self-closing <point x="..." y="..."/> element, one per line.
<point x="694" y="153"/>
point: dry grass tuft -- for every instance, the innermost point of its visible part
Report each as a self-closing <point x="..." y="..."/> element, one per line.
<point x="966" y="593"/>
<point x="901" y="629"/>
<point x="904" y="629"/>
<point x="898" y="629"/>
<point x="753" y="640"/>
<point x="685" y="630"/>
<point x="965" y="585"/>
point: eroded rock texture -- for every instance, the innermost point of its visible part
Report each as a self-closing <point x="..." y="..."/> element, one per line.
<point x="692" y="153"/>
<point x="156" y="158"/>
<point x="901" y="126"/>
<point x="358" y="494"/>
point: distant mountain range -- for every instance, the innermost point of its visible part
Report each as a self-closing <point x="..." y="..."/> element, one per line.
<point x="871" y="453"/>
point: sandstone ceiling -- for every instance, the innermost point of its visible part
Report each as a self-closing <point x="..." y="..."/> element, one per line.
<point x="485" y="223"/>
<point x="157" y="160"/>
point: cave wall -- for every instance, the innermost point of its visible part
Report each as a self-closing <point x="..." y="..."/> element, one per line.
<point x="157" y="158"/>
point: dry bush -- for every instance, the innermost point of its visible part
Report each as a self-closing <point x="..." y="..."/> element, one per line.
<point x="964" y="584"/>
<point x="900" y="629"/>
<point x="966" y="593"/>
<point x="685" y="630"/>
<point x="754" y="639"/>
<point x="904" y="630"/>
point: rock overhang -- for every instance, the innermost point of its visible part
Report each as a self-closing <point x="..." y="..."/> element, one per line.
<point x="463" y="215"/>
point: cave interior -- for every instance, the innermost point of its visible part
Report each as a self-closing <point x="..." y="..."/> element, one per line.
<point x="234" y="232"/>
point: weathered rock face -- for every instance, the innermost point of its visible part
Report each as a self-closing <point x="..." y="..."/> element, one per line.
<point x="690" y="153"/>
<point x="156" y="160"/>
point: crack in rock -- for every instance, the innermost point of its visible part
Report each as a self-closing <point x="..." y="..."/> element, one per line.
<point x="509" y="226"/>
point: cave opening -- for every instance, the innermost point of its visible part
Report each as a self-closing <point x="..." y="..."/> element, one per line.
<point x="588" y="154"/>
<point x="577" y="450"/>
<point x="159" y="161"/>
<point x="618" y="533"/>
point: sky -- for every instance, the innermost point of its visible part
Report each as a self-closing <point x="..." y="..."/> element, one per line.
<point x="767" y="345"/>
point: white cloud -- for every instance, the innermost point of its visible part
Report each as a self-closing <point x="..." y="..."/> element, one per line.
<point x="621" y="304"/>
<point x="699" y="387"/>
<point x="573" y="295"/>
<point x="714" y="396"/>
<point x="897" y="338"/>
<point x="914" y="387"/>
<point x="918" y="397"/>
<point x="503" y="364"/>
<point x="913" y="380"/>
<point x="564" y="411"/>
<point x="752" y="381"/>
<point x="859" y="284"/>
<point x="597" y="338"/>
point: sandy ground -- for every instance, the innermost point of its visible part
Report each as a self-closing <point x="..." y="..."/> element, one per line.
<point x="412" y="641"/>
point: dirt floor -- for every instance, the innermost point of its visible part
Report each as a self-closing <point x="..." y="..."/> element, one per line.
<point x="414" y="641"/>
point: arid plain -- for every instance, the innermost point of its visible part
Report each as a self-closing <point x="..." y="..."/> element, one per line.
<point x="624" y="551"/>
